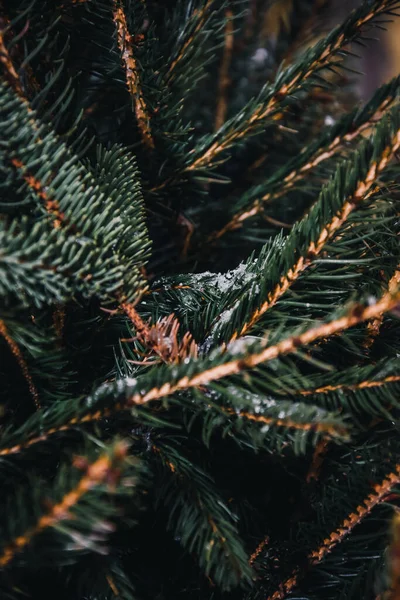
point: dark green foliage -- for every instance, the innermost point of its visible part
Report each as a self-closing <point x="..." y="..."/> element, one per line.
<point x="221" y="298"/>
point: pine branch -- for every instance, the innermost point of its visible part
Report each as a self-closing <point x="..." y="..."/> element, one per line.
<point x="326" y="389"/>
<point x="73" y="198"/>
<point x="196" y="373"/>
<point x="288" y="81"/>
<point x="380" y="491"/>
<point x="52" y="206"/>
<point x="294" y="416"/>
<point x="200" y="518"/>
<point x="363" y="173"/>
<point x="348" y="129"/>
<point x="126" y="45"/>
<point x="104" y="471"/>
<point x="5" y="59"/>
<point x="195" y="28"/>
<point x="21" y="362"/>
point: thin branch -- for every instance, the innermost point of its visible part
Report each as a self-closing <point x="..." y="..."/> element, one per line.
<point x="289" y="84"/>
<point x="393" y="592"/>
<point x="326" y="389"/>
<point x="326" y="429"/>
<point x="374" y="326"/>
<point x="356" y="315"/>
<point x="201" y="15"/>
<point x="363" y="190"/>
<point x="380" y="491"/>
<point x="96" y="474"/>
<point x="5" y="59"/>
<point x="258" y="550"/>
<point x="52" y="206"/>
<point x="21" y="361"/>
<point x="298" y="173"/>
<point x="224" y="81"/>
<point x="125" y="43"/>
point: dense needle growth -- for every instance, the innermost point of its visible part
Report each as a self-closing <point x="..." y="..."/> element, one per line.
<point x="199" y="313"/>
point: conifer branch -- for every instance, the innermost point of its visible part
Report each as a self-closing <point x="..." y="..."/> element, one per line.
<point x="103" y="470"/>
<point x="357" y="314"/>
<point x="52" y="206"/>
<point x="362" y="191"/>
<point x="199" y="17"/>
<point x="326" y="389"/>
<point x="301" y="166"/>
<point x="126" y="45"/>
<point x="258" y="550"/>
<point x="380" y="491"/>
<point x="5" y="59"/>
<point x="223" y="83"/>
<point x="374" y="326"/>
<point x="319" y="57"/>
<point x="330" y="430"/>
<point x="21" y="361"/>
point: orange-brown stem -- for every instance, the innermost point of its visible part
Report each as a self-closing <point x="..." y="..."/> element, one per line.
<point x="51" y="206"/>
<point x="21" y="361"/>
<point x="126" y="46"/>
<point x="363" y="190"/>
<point x="380" y="491"/>
<point x="355" y="316"/>
<point x="97" y="473"/>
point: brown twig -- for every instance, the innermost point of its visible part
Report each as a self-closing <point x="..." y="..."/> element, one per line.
<point x="380" y="491"/>
<point x="22" y="363"/>
<point x="201" y="15"/>
<point x="52" y="206"/>
<point x="356" y="315"/>
<point x="97" y="473"/>
<point x="162" y="337"/>
<point x="126" y="45"/>
<point x="363" y="190"/>
<point x="285" y="90"/>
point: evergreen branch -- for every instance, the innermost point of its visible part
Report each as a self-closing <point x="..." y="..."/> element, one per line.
<point x="326" y="389"/>
<point x="324" y="428"/>
<point x="200" y="518"/>
<point x="52" y="206"/>
<point x="198" y="18"/>
<point x="371" y="161"/>
<point x="21" y="362"/>
<point x="200" y="375"/>
<point x="5" y="59"/>
<point x="106" y="469"/>
<point x="331" y="143"/>
<point x="259" y="549"/>
<point x="288" y="81"/>
<point x="97" y="215"/>
<point x="380" y="491"/>
<point x="223" y="82"/>
<point x="125" y="43"/>
<point x="374" y="326"/>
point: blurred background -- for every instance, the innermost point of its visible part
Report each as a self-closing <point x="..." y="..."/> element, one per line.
<point x="380" y="60"/>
